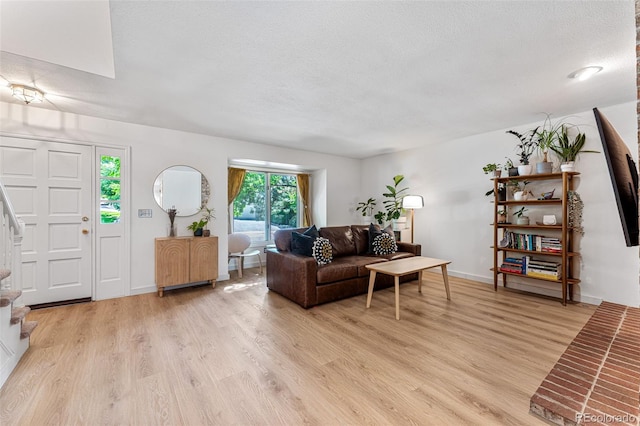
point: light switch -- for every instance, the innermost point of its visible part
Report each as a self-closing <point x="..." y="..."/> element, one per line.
<point x="145" y="213"/>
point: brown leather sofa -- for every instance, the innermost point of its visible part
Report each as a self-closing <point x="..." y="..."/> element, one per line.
<point x="300" y="279"/>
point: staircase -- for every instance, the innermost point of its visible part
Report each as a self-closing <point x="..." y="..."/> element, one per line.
<point x="14" y="330"/>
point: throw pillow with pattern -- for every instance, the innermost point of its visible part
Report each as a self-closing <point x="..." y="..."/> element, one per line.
<point x="322" y="251"/>
<point x="384" y="244"/>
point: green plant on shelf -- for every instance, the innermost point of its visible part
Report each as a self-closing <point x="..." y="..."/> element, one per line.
<point x="520" y="212"/>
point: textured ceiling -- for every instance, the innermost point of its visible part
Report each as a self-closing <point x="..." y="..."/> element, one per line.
<point x="349" y="78"/>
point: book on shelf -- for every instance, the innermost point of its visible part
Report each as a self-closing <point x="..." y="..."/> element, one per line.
<point x="536" y="268"/>
<point x="540" y="268"/>
<point x="532" y="242"/>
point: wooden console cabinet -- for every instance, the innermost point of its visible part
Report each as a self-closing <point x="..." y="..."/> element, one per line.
<point x="183" y="260"/>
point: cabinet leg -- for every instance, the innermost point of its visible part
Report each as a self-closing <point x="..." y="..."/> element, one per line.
<point x="161" y="292"/>
<point x="213" y="283"/>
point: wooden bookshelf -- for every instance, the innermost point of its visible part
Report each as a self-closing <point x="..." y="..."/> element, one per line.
<point x="566" y="258"/>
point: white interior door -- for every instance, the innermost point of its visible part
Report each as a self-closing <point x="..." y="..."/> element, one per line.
<point x="50" y="187"/>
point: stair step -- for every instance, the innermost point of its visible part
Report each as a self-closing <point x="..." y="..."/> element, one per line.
<point x="27" y="328"/>
<point x="4" y="273"/>
<point x="8" y="296"/>
<point x="18" y="313"/>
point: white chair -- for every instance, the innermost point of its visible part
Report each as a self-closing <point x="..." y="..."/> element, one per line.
<point x="238" y="243"/>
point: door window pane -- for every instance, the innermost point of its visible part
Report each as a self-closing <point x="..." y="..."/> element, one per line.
<point x="109" y="189"/>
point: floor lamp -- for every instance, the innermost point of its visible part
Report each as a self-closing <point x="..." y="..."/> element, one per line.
<point x="412" y="202"/>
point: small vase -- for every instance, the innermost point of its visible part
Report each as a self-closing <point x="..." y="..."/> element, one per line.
<point x="544" y="167"/>
<point x="525" y="169"/>
<point x="568" y="166"/>
<point x="206" y="232"/>
<point x="197" y="232"/>
<point x="520" y="196"/>
<point x="172" y="231"/>
<point x="522" y="220"/>
<point x="497" y="173"/>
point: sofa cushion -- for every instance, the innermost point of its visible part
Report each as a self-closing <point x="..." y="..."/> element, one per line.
<point x="322" y="251"/>
<point x="362" y="261"/>
<point x="340" y="269"/>
<point x="361" y="238"/>
<point x="394" y="256"/>
<point x="282" y="238"/>
<point x="341" y="239"/>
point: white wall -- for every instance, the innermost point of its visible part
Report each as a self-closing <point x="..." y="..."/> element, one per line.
<point x="334" y="178"/>
<point x="455" y="223"/>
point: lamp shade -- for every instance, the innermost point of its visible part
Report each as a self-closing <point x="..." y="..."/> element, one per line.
<point x="412" y="202"/>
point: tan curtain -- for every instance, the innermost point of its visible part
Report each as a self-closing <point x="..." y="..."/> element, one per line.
<point x="303" y="187"/>
<point x="234" y="185"/>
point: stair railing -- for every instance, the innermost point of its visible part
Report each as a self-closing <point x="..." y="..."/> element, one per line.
<point x="11" y="232"/>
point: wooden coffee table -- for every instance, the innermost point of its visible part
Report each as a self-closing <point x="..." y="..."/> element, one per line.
<point x="400" y="267"/>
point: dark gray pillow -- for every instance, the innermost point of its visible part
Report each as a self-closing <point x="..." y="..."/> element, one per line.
<point x="302" y="244"/>
<point x="312" y="232"/>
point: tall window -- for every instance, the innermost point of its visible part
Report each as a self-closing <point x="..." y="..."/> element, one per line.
<point x="267" y="202"/>
<point x="109" y="189"/>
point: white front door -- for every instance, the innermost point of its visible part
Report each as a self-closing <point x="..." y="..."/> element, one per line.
<point x="50" y="187"/>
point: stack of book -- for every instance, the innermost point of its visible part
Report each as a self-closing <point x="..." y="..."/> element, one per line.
<point x="512" y="265"/>
<point x="550" y="245"/>
<point x="531" y="267"/>
<point x="542" y="269"/>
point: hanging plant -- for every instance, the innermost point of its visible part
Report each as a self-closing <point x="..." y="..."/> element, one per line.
<point x="575" y="211"/>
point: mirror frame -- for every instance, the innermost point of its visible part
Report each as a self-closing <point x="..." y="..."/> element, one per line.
<point x="189" y="210"/>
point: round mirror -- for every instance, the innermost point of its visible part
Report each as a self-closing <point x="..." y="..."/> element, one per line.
<point x="182" y="188"/>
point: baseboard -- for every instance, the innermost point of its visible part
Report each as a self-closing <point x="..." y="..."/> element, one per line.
<point x="531" y="286"/>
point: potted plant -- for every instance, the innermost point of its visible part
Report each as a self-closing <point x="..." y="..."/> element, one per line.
<point x="208" y="214"/>
<point x="527" y="146"/>
<point x="567" y="150"/>
<point x="547" y="137"/>
<point x="492" y="168"/>
<point x="502" y="192"/>
<point x="510" y="168"/>
<point x="366" y="208"/>
<point x="521" y="219"/>
<point x="393" y="203"/>
<point x="519" y="190"/>
<point x="199" y="227"/>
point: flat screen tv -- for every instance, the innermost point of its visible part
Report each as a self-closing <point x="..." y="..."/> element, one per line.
<point x="624" y="177"/>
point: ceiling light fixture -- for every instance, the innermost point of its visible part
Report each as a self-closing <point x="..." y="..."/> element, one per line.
<point x="585" y="73"/>
<point x="26" y="94"/>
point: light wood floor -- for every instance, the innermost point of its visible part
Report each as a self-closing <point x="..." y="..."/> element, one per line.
<point x="239" y="354"/>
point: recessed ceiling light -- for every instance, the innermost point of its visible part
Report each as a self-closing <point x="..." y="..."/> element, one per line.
<point x="584" y="73"/>
<point x="26" y="94"/>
